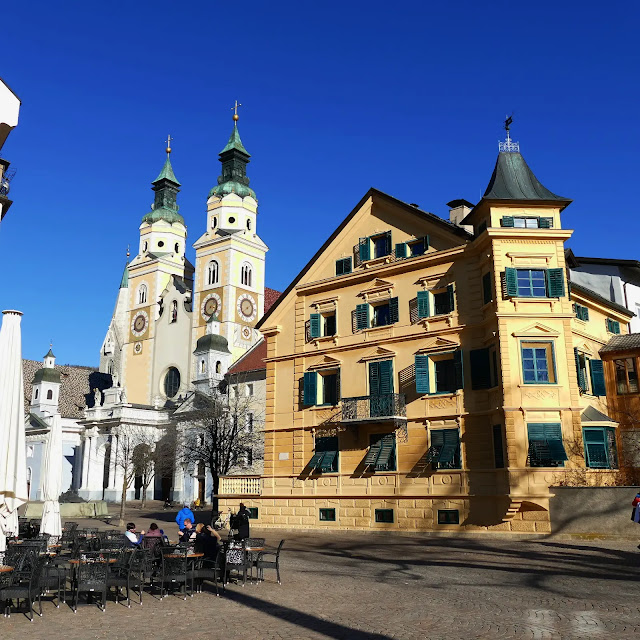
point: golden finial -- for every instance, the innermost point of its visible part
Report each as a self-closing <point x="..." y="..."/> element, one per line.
<point x="128" y="254"/>
<point x="236" y="117"/>
<point x="169" y="139"/>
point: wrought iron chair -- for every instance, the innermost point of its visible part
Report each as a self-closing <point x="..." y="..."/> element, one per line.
<point x="236" y="560"/>
<point x="174" y="569"/>
<point x="269" y="560"/>
<point x="91" y="577"/>
<point x="211" y="570"/>
<point x="252" y="556"/>
<point x="121" y="576"/>
<point x="24" y="585"/>
<point x="54" y="576"/>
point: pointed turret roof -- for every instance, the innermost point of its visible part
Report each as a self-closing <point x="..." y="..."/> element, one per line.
<point x="124" y="283"/>
<point x="50" y="354"/>
<point x="166" y="188"/>
<point x="235" y="142"/>
<point x="234" y="158"/>
<point x="167" y="172"/>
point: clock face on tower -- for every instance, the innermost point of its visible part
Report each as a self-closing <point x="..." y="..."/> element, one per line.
<point x="247" y="307"/>
<point x="210" y="306"/>
<point x="139" y="323"/>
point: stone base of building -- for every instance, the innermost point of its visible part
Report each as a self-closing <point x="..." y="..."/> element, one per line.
<point x="479" y="514"/>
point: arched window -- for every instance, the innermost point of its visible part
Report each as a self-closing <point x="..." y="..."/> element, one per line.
<point x="172" y="382"/>
<point x="142" y="294"/>
<point x="218" y="367"/>
<point x="50" y="394"/>
<point x="249" y="224"/>
<point x="212" y="272"/>
<point x="245" y="274"/>
<point x="174" y="312"/>
<point x="214" y="222"/>
<point x="177" y="248"/>
<point x="36" y="396"/>
<point x="203" y="366"/>
<point x="145" y="246"/>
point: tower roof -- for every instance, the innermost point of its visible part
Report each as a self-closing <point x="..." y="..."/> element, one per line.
<point x="234" y="158"/>
<point x="235" y="142"/>
<point x="49" y="354"/>
<point x="166" y="188"/>
<point x="212" y="342"/>
<point x="167" y="172"/>
<point x="46" y="375"/>
<point x="124" y="283"/>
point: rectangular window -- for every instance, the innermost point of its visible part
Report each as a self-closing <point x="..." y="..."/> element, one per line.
<point x="327" y="515"/>
<point x="439" y="373"/>
<point x="600" y="447"/>
<point x="253" y="513"/>
<point x="448" y="516"/>
<point x="381" y="245"/>
<point x="445" y="376"/>
<point x="362" y="316"/>
<point x="382" y="452"/>
<point x="498" y="447"/>
<point x="526" y="223"/>
<point x="329" y="324"/>
<point x="626" y="376"/>
<point x="310" y="396"/>
<point x="444" y="301"/>
<point x="325" y="458"/>
<point x="545" y="445"/>
<point x="343" y="266"/>
<point x="531" y="283"/>
<point x="418" y="247"/>
<point x="487" y="293"/>
<point x="581" y="370"/>
<point x="250" y="390"/>
<point x="613" y="326"/>
<point x="330" y="394"/>
<point x="537" y="363"/>
<point x="385" y="314"/>
<point x="444" y="449"/>
<point x="534" y="283"/>
<point x="582" y="313"/>
<point x="384" y="515"/>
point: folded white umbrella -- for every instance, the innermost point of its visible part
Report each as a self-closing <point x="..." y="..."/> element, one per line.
<point x="13" y="457"/>
<point x="52" y="480"/>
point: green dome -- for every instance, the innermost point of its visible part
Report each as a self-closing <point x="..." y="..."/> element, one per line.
<point x="212" y="342"/>
<point x="226" y="188"/>
<point x="163" y="214"/>
<point x="46" y="375"/>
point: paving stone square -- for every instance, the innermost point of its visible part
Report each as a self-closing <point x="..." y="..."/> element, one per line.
<point x="357" y="585"/>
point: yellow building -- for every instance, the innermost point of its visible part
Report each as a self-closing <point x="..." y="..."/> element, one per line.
<point x="422" y="374"/>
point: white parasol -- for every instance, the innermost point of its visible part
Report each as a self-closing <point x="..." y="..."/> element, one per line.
<point x="52" y="480"/>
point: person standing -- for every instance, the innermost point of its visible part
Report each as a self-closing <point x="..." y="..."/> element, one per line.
<point x="242" y="523"/>
<point x="183" y="514"/>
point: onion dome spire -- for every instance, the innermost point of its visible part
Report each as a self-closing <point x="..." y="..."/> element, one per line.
<point x="166" y="188"/>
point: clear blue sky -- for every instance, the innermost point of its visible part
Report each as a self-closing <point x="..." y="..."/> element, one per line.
<point x="408" y="97"/>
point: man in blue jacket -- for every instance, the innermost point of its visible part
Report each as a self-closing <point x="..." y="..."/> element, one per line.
<point x="183" y="514"/>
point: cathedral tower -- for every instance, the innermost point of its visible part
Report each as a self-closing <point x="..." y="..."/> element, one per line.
<point x="230" y="256"/>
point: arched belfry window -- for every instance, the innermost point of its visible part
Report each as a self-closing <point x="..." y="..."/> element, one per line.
<point x="213" y="272"/>
<point x="245" y="274"/>
<point x="218" y="367"/>
<point x="50" y="394"/>
<point x="142" y="294"/>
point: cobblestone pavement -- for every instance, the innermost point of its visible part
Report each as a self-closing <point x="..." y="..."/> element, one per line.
<point x="379" y="586"/>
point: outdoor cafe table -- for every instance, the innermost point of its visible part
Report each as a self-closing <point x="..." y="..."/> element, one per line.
<point x="5" y="568"/>
<point x="75" y="561"/>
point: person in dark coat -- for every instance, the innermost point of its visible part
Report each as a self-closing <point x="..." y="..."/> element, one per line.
<point x="241" y="523"/>
<point x="207" y="541"/>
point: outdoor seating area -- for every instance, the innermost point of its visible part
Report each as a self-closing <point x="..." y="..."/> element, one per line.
<point x="88" y="566"/>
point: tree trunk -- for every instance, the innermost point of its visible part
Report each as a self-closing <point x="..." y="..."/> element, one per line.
<point x="214" y="497"/>
<point x="143" y="489"/>
<point x="123" y="499"/>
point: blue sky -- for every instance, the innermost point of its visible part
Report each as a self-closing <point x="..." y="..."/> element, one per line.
<point x="338" y="97"/>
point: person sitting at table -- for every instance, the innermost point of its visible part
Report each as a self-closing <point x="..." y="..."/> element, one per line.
<point x="183" y="514"/>
<point x="132" y="537"/>
<point x="207" y="541"/>
<point x="188" y="533"/>
<point x="154" y="531"/>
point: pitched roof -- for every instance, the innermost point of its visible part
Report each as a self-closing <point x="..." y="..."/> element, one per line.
<point x="253" y="360"/>
<point x="425" y="215"/>
<point x="591" y="414"/>
<point x="234" y="142"/>
<point x="167" y="173"/>
<point x="623" y="342"/>
<point x="574" y="286"/>
<point x="75" y="384"/>
<point x="270" y="298"/>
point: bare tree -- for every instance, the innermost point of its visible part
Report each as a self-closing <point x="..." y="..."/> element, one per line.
<point x="219" y="430"/>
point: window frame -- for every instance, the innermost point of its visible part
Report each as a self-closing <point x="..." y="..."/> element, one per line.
<point x="550" y="359"/>
<point x="531" y="287"/>
<point x="611" y="460"/>
<point x="380" y="516"/>
<point x="444" y="519"/>
<point x="326" y="514"/>
<point x="435" y="450"/>
<point x="213" y="272"/>
<point x="627" y="383"/>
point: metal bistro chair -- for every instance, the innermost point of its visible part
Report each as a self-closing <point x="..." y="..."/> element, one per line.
<point x="120" y="575"/>
<point x="174" y="569"/>
<point x="236" y="560"/>
<point x="54" y="577"/>
<point x="252" y="556"/>
<point x="211" y="570"/>
<point x="91" y="577"/>
<point x="269" y="560"/>
<point x="24" y="585"/>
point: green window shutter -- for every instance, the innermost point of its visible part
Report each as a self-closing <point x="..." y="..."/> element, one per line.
<point x="615" y="326"/>
<point x="598" y="386"/>
<point x="584" y="314"/>
<point x="507" y="221"/>
<point x="373" y="453"/>
<point x="388" y="243"/>
<point x="386" y="457"/>
<point x="374" y="378"/>
<point x="511" y="278"/>
<point x="362" y="316"/>
<point x="536" y="431"/>
<point x="553" y="436"/>
<point x="582" y="383"/>
<point x="310" y="388"/>
<point x="315" y="325"/>
<point x="386" y="377"/>
<point x="422" y="373"/>
<point x="343" y="266"/>
<point x="316" y="460"/>
<point x="329" y="461"/>
<point x="449" y="455"/>
<point x="486" y="288"/>
<point x="545" y="223"/>
<point x="555" y="283"/>
<point x="401" y="250"/>
<point x="595" y="448"/>
<point x="480" y="369"/>
<point x="452" y="298"/>
<point x="423" y="304"/>
<point x="457" y="364"/>
<point x="364" y="249"/>
<point x="394" y="313"/>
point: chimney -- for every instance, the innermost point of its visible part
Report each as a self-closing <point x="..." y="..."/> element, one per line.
<point x="458" y="210"/>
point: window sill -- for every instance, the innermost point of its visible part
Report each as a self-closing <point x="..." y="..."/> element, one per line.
<point x="379" y="328"/>
<point x="322" y="339"/>
<point x="528" y="385"/>
<point x="324" y="407"/>
<point x="374" y="262"/>
<point x="447" y="317"/>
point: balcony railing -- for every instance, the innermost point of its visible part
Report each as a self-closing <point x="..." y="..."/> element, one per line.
<point x="241" y="485"/>
<point x="388" y="406"/>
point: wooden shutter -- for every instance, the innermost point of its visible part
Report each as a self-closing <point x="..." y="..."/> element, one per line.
<point x="486" y="288"/>
<point x="452" y="298"/>
<point x="364" y="249"/>
<point x="598" y="387"/>
<point x="555" y="283"/>
<point x="315" y="325"/>
<point x="545" y="223"/>
<point x="507" y="221"/>
<point x="394" y="313"/>
<point x="426" y="243"/>
<point x="450" y="450"/>
<point x="374" y="378"/>
<point x="511" y="277"/>
<point x="582" y="383"/>
<point x="423" y="304"/>
<point x="422" y="373"/>
<point x="362" y="316"/>
<point x="459" y="372"/>
<point x="615" y="326"/>
<point x="480" y="369"/>
<point x="310" y="388"/>
<point x="386" y="377"/>
<point x="343" y="266"/>
<point x="401" y="250"/>
<point x="595" y="448"/>
<point x="584" y="314"/>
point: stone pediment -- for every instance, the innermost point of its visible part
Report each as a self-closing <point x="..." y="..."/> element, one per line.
<point x="325" y="362"/>
<point x="378" y="353"/>
<point x="536" y="330"/>
<point x="377" y="287"/>
<point x="438" y="344"/>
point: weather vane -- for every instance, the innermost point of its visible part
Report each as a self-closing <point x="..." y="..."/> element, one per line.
<point x="169" y="139"/>
<point x="508" y="145"/>
<point x="236" y="117"/>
